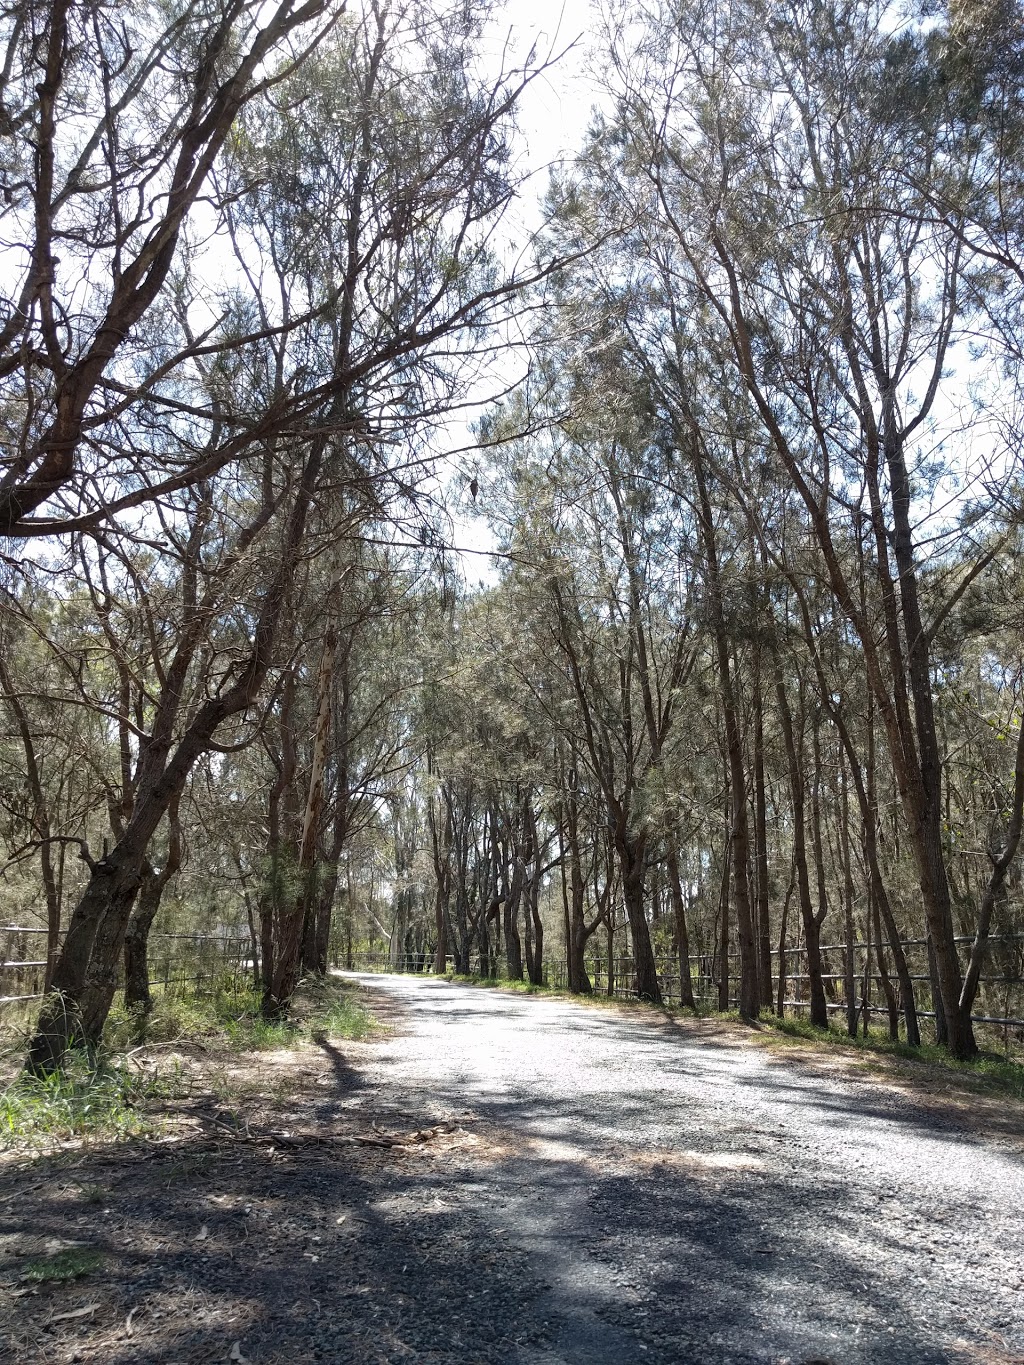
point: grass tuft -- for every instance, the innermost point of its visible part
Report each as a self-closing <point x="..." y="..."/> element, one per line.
<point x="106" y="1098"/>
<point x="68" y="1264"/>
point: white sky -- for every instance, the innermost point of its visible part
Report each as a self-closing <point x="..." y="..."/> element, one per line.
<point x="556" y="107"/>
<point x="553" y="116"/>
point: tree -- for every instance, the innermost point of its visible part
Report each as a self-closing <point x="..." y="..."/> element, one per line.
<point x="366" y="345"/>
<point x="839" y="298"/>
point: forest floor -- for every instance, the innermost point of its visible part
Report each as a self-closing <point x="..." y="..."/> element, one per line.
<point x="498" y="1177"/>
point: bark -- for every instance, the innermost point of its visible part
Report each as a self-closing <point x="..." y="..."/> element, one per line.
<point x="631" y="851"/>
<point x="295" y="909"/>
<point x="780" y="1003"/>
<point x="724" y="944"/>
<point x="764" y="955"/>
<point x="136" y="943"/>
<point x="891" y="1003"/>
<point x="750" y="990"/>
<point x="811" y="923"/>
<point x="510" y="922"/>
<point x="849" y="962"/>
<point x="682" y="935"/>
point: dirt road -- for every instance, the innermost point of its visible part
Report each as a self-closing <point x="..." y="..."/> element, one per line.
<point x="688" y="1197"/>
<point x="576" y="1186"/>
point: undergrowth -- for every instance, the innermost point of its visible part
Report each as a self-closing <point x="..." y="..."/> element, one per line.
<point x="230" y="1020"/>
<point x="105" y="1096"/>
<point x="102" y="1098"/>
<point x="988" y="1069"/>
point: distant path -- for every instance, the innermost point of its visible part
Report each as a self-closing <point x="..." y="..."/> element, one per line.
<point x="687" y="1197"/>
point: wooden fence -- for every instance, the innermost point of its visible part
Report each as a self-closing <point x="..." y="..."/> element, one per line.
<point x="181" y="960"/>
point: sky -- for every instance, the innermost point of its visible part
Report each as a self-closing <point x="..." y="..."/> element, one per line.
<point x="553" y="116"/>
<point x="556" y="107"/>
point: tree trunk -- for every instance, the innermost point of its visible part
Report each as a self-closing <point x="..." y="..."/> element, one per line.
<point x="40" y="818"/>
<point x="85" y="976"/>
<point x="136" y="942"/>
<point x="812" y="941"/>
<point x="764" y="955"/>
<point x="724" y="943"/>
<point x="299" y="908"/>
<point x="891" y="1003"/>
<point x="631" y="851"/>
<point x="510" y="922"/>
<point x="682" y="935"/>
<point x="780" y="1003"/>
<point x="849" y="960"/>
<point x="750" y="987"/>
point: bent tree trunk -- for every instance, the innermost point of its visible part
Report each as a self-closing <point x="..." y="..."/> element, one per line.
<point x="85" y="977"/>
<point x="136" y="942"/>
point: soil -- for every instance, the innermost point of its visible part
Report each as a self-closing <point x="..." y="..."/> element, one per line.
<point x="526" y="1180"/>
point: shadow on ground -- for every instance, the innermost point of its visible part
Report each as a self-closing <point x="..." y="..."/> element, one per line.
<point x="575" y="1228"/>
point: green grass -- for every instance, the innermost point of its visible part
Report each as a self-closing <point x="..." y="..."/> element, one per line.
<point x="230" y="1020"/>
<point x="988" y="1070"/>
<point x="68" y="1264"/>
<point x="106" y="1098"/>
<point x="342" y="1017"/>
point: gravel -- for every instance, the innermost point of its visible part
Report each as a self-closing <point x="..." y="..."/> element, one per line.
<point x="607" y="1188"/>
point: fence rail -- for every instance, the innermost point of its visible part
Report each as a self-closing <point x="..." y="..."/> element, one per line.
<point x="1010" y="1025"/>
<point x="182" y="959"/>
<point x="175" y="959"/>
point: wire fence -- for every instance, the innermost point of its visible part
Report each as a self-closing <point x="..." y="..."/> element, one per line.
<point x="1000" y="1004"/>
<point x="176" y="961"/>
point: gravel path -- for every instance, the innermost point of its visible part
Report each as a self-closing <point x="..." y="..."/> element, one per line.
<point x="598" y="1187"/>
<point x="693" y="1198"/>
